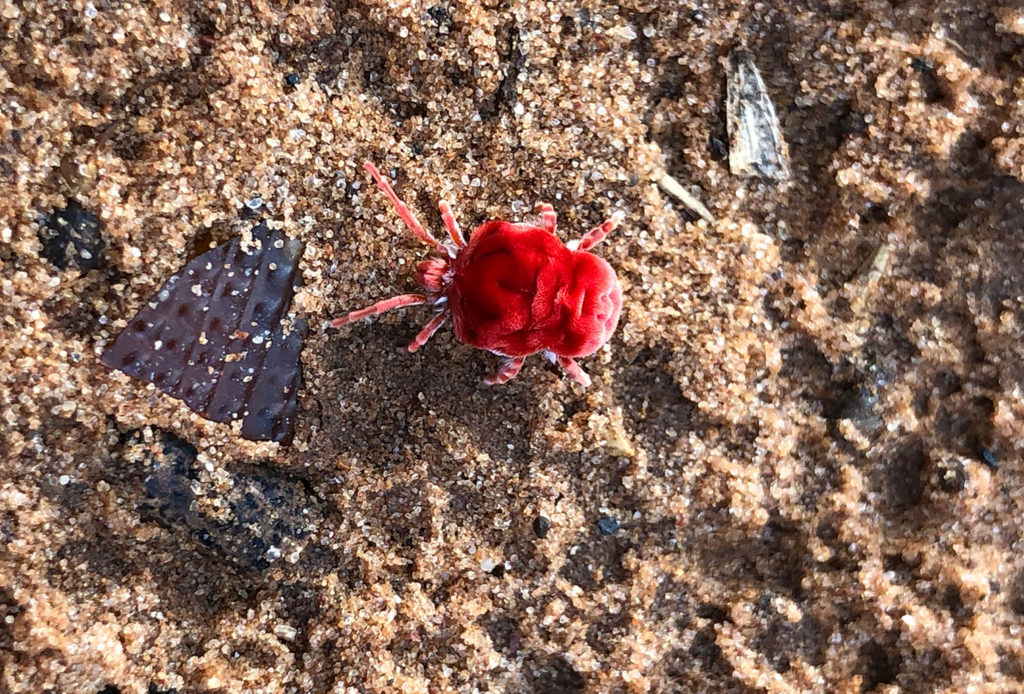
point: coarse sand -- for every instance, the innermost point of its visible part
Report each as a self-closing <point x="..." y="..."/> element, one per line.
<point x="798" y="468"/>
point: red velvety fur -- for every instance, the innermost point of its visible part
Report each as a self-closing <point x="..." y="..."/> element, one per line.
<point x="517" y="289"/>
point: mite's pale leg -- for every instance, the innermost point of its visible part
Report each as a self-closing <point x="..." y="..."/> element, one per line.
<point x="428" y="331"/>
<point x="451" y="225"/>
<point x="380" y="307"/>
<point x="597" y="234"/>
<point x="574" y="370"/>
<point x="509" y="368"/>
<point x="400" y="207"/>
<point x="548" y="216"/>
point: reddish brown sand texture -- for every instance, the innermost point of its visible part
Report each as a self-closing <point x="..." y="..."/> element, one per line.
<point x="807" y="425"/>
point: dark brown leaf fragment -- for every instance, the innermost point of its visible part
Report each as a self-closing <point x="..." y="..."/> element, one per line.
<point x="217" y="336"/>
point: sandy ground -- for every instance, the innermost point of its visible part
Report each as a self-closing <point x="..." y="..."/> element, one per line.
<point x="798" y="468"/>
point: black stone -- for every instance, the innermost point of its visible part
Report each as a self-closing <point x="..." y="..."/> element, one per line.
<point x="259" y="519"/>
<point x="541" y="526"/>
<point x="71" y="238"/>
<point x="718" y="147"/>
<point x="440" y="14"/>
<point x="952" y="476"/>
<point x="607" y="525"/>
<point x="292" y="79"/>
<point x="989" y="459"/>
<point x="921" y="65"/>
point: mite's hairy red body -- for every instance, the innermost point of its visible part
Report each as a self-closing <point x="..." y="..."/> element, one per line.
<point x="513" y="289"/>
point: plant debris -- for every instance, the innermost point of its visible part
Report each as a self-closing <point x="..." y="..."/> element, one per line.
<point x="216" y="335"/>
<point x="674" y="188"/>
<point x="756" y="147"/>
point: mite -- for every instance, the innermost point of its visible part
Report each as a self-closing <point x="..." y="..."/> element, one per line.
<point x="512" y="289"/>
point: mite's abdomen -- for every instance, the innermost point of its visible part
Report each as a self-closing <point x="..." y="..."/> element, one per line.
<point x="504" y="286"/>
<point x="518" y="290"/>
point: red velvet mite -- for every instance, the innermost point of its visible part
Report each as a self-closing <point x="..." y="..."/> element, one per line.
<point x="513" y="289"/>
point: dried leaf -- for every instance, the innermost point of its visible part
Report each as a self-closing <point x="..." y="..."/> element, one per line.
<point x="756" y="147"/>
<point x="215" y="335"/>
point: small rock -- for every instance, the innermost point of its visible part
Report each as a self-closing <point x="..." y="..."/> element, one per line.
<point x="718" y="148"/>
<point x="256" y="520"/>
<point x="952" y="475"/>
<point x="607" y="525"/>
<point x="619" y="445"/>
<point x="989" y="459"/>
<point x="285" y="631"/>
<point x="292" y="79"/>
<point x="441" y="16"/>
<point x="921" y="65"/>
<point x="541" y="526"/>
<point x="71" y="238"/>
<point x="857" y="404"/>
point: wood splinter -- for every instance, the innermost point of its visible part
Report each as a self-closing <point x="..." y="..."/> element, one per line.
<point x="674" y="188"/>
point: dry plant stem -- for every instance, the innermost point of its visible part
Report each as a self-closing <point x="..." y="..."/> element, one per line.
<point x="676" y="190"/>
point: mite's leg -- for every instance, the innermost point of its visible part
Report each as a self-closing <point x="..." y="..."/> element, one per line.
<point x="597" y="234"/>
<point x="574" y="370"/>
<point x="509" y="368"/>
<point x="451" y="225"/>
<point x="548" y="216"/>
<point x="428" y="331"/>
<point x="400" y="207"/>
<point x="380" y="307"/>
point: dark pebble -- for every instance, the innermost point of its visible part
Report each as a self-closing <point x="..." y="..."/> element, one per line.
<point x="989" y="458"/>
<point x="921" y="65"/>
<point x="718" y="147"/>
<point x="607" y="525"/>
<point x="858" y="405"/>
<point x="541" y="526"/>
<point x="498" y="571"/>
<point x="71" y="238"/>
<point x="292" y="79"/>
<point x="263" y="517"/>
<point x="952" y="475"/>
<point x="440" y="15"/>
